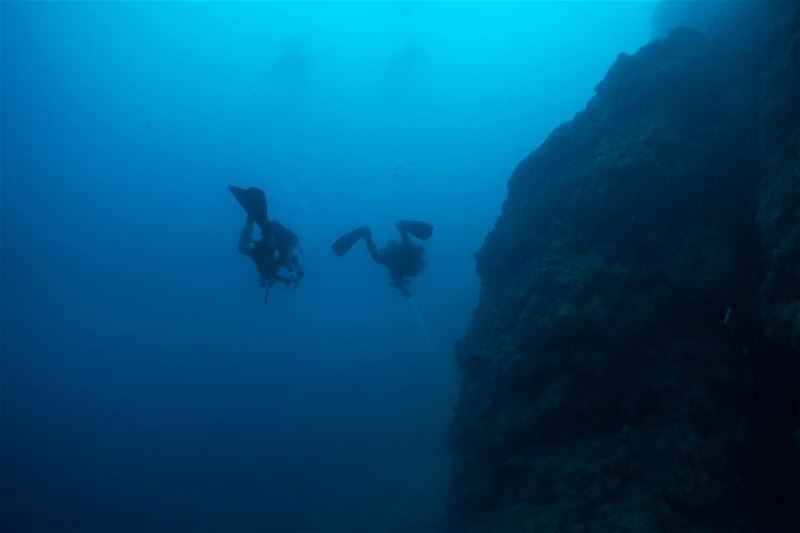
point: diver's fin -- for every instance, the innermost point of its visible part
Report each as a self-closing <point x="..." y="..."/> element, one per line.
<point x="343" y="244"/>
<point x="417" y="228"/>
<point x="254" y="203"/>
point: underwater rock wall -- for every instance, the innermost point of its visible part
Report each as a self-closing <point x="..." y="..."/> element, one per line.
<point x="779" y="195"/>
<point x="633" y="361"/>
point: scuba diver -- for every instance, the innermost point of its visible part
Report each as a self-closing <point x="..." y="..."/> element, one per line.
<point x="278" y="247"/>
<point x="404" y="259"/>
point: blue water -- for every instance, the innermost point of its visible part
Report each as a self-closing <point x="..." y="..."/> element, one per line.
<point x="145" y="384"/>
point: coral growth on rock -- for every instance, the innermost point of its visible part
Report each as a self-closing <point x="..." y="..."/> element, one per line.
<point x="632" y="363"/>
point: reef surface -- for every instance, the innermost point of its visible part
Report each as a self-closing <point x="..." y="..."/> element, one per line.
<point x="632" y="364"/>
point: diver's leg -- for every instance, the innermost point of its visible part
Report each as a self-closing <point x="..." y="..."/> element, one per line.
<point x="246" y="237"/>
<point x="343" y="244"/>
<point x="417" y="228"/>
<point x="404" y="236"/>
<point x="372" y="248"/>
<point x="254" y="202"/>
<point x="258" y="210"/>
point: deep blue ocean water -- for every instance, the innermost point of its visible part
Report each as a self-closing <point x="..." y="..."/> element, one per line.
<point x="145" y="384"/>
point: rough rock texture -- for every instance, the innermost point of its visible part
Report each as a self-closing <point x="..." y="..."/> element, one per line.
<point x="633" y="361"/>
<point x="779" y="198"/>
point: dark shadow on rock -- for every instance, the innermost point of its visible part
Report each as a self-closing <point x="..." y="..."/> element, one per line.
<point x="632" y="363"/>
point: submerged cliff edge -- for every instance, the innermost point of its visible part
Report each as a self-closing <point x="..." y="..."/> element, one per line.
<point x="634" y="360"/>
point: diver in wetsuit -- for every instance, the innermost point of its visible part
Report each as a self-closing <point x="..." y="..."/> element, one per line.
<point x="278" y="247"/>
<point x="404" y="259"/>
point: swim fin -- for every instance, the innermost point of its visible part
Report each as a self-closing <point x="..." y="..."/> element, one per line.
<point x="254" y="203"/>
<point x="419" y="229"/>
<point x="343" y="244"/>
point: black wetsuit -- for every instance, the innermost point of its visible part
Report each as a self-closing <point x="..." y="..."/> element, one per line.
<point x="278" y="246"/>
<point x="403" y="260"/>
<point x="271" y="251"/>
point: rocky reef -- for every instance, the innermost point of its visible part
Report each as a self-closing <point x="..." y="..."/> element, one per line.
<point x="634" y="360"/>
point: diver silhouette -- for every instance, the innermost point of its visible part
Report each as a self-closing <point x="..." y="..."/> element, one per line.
<point x="404" y="259"/>
<point x="279" y="247"/>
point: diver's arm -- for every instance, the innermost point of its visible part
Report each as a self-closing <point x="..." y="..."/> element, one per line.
<point x="373" y="249"/>
<point x="405" y="237"/>
<point x="296" y="261"/>
<point x="246" y="238"/>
